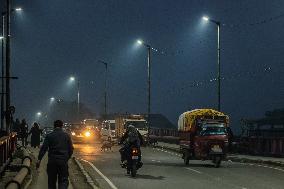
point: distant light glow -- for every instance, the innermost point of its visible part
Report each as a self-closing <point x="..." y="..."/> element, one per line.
<point x="1" y="37"/>
<point x="140" y="42"/>
<point x="18" y="9"/>
<point x="72" y="78"/>
<point x="52" y="99"/>
<point x="87" y="134"/>
<point x="38" y="114"/>
<point x="206" y="18"/>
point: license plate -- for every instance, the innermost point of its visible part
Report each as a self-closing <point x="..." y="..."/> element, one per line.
<point x="216" y="148"/>
<point x="134" y="157"/>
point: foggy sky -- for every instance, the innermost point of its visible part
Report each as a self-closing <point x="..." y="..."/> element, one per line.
<point x="53" y="39"/>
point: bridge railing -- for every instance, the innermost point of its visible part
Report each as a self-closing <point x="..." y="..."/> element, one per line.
<point x="7" y="148"/>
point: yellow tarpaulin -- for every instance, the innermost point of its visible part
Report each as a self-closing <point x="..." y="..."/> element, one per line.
<point x="187" y="119"/>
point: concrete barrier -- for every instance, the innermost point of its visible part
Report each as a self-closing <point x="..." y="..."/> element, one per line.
<point x="17" y="181"/>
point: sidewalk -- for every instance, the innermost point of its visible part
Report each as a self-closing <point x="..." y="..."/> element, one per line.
<point x="234" y="157"/>
<point x="40" y="180"/>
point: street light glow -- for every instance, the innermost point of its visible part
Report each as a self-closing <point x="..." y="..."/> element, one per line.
<point x="38" y="114"/>
<point x="52" y="99"/>
<point x="140" y="42"/>
<point x="18" y="9"/>
<point x="1" y="37"/>
<point x="72" y="78"/>
<point x="206" y="18"/>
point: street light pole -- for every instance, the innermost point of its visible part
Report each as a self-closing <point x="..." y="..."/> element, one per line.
<point x="149" y="85"/>
<point x="219" y="58"/>
<point x="219" y="67"/>
<point x="105" y="93"/>
<point x="149" y="91"/>
<point x="2" y="73"/>
<point x="78" y="99"/>
<point x="8" y="62"/>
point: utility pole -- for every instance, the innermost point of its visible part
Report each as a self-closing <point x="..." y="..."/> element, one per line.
<point x="78" y="99"/>
<point x="149" y="92"/>
<point x="219" y="67"/>
<point x="105" y="92"/>
<point x="2" y="72"/>
<point x="8" y="64"/>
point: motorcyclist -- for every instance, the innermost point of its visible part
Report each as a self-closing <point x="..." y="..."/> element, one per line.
<point x="131" y="137"/>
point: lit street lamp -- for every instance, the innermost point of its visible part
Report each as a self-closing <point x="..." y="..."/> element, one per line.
<point x="219" y="63"/>
<point x="140" y="42"/>
<point x="52" y="99"/>
<point x="38" y="114"/>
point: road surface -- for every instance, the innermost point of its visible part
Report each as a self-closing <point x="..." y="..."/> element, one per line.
<point x="164" y="169"/>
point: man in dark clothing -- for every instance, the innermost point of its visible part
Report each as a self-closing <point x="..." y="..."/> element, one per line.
<point x="60" y="149"/>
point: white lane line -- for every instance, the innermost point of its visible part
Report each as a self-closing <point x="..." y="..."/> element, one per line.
<point x="259" y="165"/>
<point x="194" y="170"/>
<point x="101" y="174"/>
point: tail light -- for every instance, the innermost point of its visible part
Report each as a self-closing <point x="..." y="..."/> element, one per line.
<point x="134" y="151"/>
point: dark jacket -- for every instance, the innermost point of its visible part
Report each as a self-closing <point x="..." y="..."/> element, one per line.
<point x="125" y="136"/>
<point x="59" y="146"/>
<point x="35" y="138"/>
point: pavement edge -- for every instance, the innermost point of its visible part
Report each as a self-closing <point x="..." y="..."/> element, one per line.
<point x="85" y="173"/>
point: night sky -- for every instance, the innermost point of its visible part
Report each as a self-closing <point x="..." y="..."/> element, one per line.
<point x="54" y="39"/>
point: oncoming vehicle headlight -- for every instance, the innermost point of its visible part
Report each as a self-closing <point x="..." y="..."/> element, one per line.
<point x="87" y="133"/>
<point x="73" y="133"/>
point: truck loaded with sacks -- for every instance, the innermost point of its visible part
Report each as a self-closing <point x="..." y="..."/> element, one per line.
<point x="204" y="135"/>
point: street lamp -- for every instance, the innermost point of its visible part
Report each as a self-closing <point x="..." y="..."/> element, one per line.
<point x="218" y="24"/>
<point x="18" y="9"/>
<point x="72" y="79"/>
<point x="38" y="114"/>
<point x="140" y="42"/>
<point x="106" y="74"/>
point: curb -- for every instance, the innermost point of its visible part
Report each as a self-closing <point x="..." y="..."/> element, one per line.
<point x="236" y="159"/>
<point x="85" y="173"/>
<point x="257" y="161"/>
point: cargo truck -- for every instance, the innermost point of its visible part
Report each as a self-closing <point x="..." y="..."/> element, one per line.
<point x="203" y="135"/>
<point x="138" y="121"/>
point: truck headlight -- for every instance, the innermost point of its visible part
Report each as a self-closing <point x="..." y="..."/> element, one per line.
<point x="87" y="133"/>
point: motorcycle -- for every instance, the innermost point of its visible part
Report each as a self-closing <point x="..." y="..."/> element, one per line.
<point x="133" y="155"/>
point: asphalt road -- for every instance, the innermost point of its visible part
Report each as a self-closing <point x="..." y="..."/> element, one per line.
<point x="166" y="170"/>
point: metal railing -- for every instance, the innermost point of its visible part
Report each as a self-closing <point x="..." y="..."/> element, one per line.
<point x="7" y="148"/>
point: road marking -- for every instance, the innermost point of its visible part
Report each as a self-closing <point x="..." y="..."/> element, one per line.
<point x="101" y="174"/>
<point x="259" y="165"/>
<point x="194" y="170"/>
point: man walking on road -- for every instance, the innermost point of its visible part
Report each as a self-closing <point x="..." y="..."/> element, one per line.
<point x="60" y="149"/>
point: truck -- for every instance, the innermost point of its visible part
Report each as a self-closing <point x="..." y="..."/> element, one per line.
<point x="123" y="121"/>
<point x="108" y="130"/>
<point x="203" y="135"/>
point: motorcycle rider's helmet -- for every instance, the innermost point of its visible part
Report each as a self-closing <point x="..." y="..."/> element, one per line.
<point x="131" y="128"/>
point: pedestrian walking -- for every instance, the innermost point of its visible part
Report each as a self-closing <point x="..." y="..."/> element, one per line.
<point x="23" y="132"/>
<point x="60" y="149"/>
<point x="35" y="135"/>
